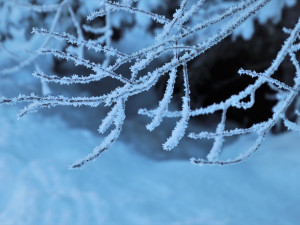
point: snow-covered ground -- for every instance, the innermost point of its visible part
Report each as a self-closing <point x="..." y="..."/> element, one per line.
<point x="122" y="187"/>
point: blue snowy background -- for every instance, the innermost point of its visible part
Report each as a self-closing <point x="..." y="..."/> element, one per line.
<point x="129" y="184"/>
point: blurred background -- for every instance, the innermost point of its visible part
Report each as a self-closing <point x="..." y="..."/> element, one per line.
<point x="136" y="182"/>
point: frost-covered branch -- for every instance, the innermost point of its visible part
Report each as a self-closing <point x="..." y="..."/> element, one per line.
<point x="58" y="12"/>
<point x="174" y="47"/>
<point x="261" y="129"/>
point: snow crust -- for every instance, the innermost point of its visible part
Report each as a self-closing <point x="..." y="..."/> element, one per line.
<point x="124" y="188"/>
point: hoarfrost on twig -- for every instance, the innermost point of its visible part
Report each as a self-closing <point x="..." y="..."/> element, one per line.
<point x="177" y="38"/>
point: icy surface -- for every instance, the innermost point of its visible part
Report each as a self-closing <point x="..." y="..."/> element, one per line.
<point x="124" y="188"/>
